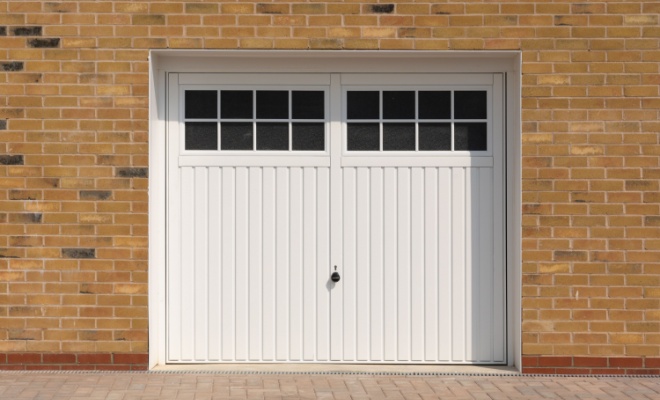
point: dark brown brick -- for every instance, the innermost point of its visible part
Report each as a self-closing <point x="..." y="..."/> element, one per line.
<point x="12" y="66"/>
<point x="26" y="218"/>
<point x="381" y="8"/>
<point x="79" y="253"/>
<point x="95" y="194"/>
<point x="26" y="31"/>
<point x="11" y="160"/>
<point x="44" y="43"/>
<point x="133" y="172"/>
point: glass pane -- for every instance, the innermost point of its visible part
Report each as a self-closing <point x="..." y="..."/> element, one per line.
<point x="435" y="105"/>
<point x="272" y="104"/>
<point x="201" y="136"/>
<point x="470" y="105"/>
<point x="273" y="136"/>
<point x="201" y="104"/>
<point x="363" y="137"/>
<point x="308" y="105"/>
<point x="363" y="105"/>
<point x="236" y="136"/>
<point x="236" y="104"/>
<point x="398" y="137"/>
<point x="399" y="105"/>
<point x="308" y="136"/>
<point x="435" y="136"/>
<point x="471" y="136"/>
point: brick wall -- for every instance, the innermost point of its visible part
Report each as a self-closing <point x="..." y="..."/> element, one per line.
<point x="73" y="158"/>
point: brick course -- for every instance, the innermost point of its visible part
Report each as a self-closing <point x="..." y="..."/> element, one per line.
<point x="74" y="157"/>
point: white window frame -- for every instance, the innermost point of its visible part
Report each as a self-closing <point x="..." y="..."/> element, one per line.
<point x="297" y="64"/>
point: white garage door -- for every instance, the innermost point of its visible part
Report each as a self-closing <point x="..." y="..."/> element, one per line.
<point x="394" y="182"/>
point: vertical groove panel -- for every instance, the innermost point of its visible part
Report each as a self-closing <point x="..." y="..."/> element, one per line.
<point x="214" y="284"/>
<point x="282" y="267"/>
<point x="458" y="264"/>
<point x="403" y="264"/>
<point x="348" y="267"/>
<point x="174" y="276"/>
<point x="363" y="234"/>
<point x="323" y="265"/>
<point x="200" y="292"/>
<point x="444" y="193"/>
<point x="269" y="260"/>
<point x="296" y="266"/>
<point x="376" y="265"/>
<point x="471" y="236"/>
<point x="228" y="260"/>
<point x="242" y="290"/>
<point x="255" y="264"/>
<point x="417" y="250"/>
<point x="187" y="263"/>
<point x="390" y="264"/>
<point x="309" y="267"/>
<point x="486" y="279"/>
<point x="432" y="245"/>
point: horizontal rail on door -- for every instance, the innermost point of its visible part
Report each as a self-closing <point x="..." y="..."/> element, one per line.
<point x="254" y="161"/>
<point x="380" y="161"/>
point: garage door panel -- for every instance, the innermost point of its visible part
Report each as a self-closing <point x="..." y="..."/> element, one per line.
<point x="422" y="239"/>
<point x="417" y="237"/>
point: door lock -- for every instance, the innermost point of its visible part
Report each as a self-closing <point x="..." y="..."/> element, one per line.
<point x="335" y="276"/>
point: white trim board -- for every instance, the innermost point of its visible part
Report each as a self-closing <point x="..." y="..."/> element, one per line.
<point x="357" y="62"/>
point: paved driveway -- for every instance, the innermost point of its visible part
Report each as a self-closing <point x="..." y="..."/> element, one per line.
<point x="129" y="386"/>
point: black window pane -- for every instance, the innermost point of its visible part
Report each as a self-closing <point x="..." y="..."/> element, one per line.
<point x="398" y="105"/>
<point x="398" y="137"/>
<point x="363" y="105"/>
<point x="435" y="136"/>
<point x="273" y="136"/>
<point x="236" y="136"/>
<point x="308" y="105"/>
<point x="471" y="136"/>
<point x="236" y="104"/>
<point x="201" y="136"/>
<point x="201" y="104"/>
<point x="470" y="105"/>
<point x="363" y="137"/>
<point x="308" y="136"/>
<point x="434" y="105"/>
<point x="272" y="104"/>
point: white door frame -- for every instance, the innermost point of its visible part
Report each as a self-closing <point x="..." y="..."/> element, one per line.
<point x="164" y="61"/>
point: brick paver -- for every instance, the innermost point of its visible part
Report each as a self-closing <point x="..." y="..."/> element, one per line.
<point x="202" y="386"/>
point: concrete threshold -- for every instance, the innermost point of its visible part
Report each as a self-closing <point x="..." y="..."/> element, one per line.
<point x="362" y="369"/>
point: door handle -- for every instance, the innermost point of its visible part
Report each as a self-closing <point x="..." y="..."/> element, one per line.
<point x="335" y="276"/>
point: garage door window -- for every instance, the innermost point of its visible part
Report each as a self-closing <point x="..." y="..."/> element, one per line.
<point x="255" y="120"/>
<point x="416" y="120"/>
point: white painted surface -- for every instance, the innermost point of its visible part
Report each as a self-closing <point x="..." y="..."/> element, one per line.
<point x="418" y="241"/>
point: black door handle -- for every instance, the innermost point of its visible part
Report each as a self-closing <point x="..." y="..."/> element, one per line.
<point x="335" y="276"/>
